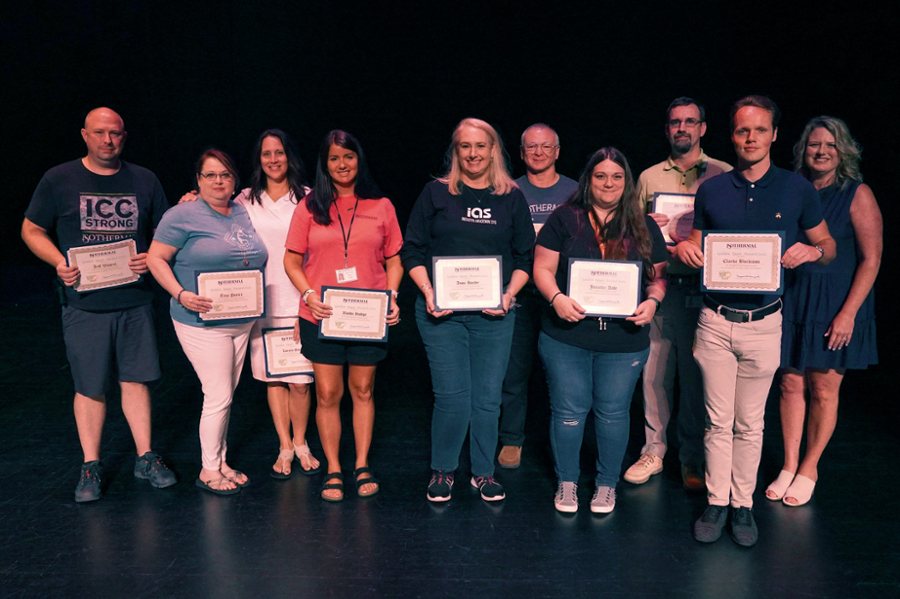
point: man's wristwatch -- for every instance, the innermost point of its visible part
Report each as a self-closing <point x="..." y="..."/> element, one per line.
<point x="821" y="252"/>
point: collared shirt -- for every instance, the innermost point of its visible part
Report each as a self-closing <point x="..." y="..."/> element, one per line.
<point x="779" y="201"/>
<point x="667" y="177"/>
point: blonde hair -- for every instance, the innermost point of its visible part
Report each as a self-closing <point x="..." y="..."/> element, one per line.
<point x="848" y="151"/>
<point x="498" y="175"/>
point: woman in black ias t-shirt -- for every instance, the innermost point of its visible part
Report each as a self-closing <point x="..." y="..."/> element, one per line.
<point x="474" y="210"/>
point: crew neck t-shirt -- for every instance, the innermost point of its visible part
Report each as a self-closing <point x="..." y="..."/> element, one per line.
<point x="83" y="208"/>
<point x="208" y="241"/>
<point x="474" y="223"/>
<point x="568" y="232"/>
<point x="542" y="201"/>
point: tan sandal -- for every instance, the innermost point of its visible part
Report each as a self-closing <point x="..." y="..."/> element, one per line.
<point x="306" y="458"/>
<point x="285" y="457"/>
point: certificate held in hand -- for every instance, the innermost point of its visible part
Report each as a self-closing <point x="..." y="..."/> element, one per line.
<point x="468" y="283"/>
<point x="235" y="294"/>
<point x="357" y="314"/>
<point x="103" y="266"/>
<point x="609" y="288"/>
<point x="284" y="356"/>
<point x="743" y="262"/>
<point x="679" y="207"/>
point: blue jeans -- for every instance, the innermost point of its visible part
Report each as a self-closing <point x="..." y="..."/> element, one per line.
<point x="468" y="353"/>
<point x="580" y="381"/>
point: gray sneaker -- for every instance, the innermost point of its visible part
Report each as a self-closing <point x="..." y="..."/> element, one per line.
<point x="151" y="467"/>
<point x="90" y="484"/>
<point x="604" y="500"/>
<point x="743" y="527"/>
<point x="566" y="499"/>
<point x="708" y="528"/>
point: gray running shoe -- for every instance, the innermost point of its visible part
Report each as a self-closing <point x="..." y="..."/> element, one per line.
<point x="90" y="485"/>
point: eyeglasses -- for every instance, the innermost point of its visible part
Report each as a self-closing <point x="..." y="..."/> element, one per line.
<point x="545" y="148"/>
<point x="676" y="123"/>
<point x="214" y="176"/>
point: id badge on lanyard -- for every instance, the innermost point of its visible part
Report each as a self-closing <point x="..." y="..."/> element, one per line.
<point x="346" y="275"/>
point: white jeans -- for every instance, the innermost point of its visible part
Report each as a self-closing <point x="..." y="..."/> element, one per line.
<point x="738" y="361"/>
<point x="217" y="355"/>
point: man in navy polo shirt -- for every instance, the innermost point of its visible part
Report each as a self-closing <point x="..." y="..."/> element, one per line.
<point x="738" y="339"/>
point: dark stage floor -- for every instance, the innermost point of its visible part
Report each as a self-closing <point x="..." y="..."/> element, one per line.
<point x="278" y="539"/>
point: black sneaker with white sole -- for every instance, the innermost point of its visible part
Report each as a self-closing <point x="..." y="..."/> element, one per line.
<point x="440" y="486"/>
<point x="489" y="488"/>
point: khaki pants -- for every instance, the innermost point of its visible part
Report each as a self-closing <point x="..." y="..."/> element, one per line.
<point x="738" y="362"/>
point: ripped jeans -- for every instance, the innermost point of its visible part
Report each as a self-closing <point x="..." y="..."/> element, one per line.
<point x="583" y="381"/>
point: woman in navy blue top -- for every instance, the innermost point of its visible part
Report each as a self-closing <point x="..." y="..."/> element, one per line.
<point x="474" y="210"/>
<point x="829" y="311"/>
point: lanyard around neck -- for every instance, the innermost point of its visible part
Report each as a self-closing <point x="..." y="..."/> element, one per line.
<point x="346" y="236"/>
<point x="597" y="229"/>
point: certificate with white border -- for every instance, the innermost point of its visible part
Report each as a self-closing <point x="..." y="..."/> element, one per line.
<point x="284" y="356"/>
<point x="743" y="262"/>
<point x="679" y="207"/>
<point x="609" y="288"/>
<point x="235" y="294"/>
<point x="356" y="314"/>
<point x="103" y="266"/>
<point x="468" y="283"/>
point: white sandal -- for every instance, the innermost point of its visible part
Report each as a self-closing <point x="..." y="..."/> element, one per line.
<point x="301" y="452"/>
<point x="780" y="485"/>
<point x="801" y="491"/>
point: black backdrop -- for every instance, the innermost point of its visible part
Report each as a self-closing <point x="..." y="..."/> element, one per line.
<point x="400" y="75"/>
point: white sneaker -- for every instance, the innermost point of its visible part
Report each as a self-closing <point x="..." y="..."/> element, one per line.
<point x="566" y="499"/>
<point x="604" y="500"/>
<point x="641" y="471"/>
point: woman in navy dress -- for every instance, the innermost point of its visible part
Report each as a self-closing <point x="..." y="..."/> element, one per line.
<point x="829" y="311"/>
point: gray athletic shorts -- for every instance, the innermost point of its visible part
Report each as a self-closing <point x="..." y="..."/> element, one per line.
<point x="105" y="347"/>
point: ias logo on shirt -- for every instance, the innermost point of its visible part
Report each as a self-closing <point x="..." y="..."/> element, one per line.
<point x="478" y="212"/>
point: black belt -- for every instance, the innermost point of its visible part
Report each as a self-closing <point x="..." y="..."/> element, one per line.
<point x="732" y="315"/>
